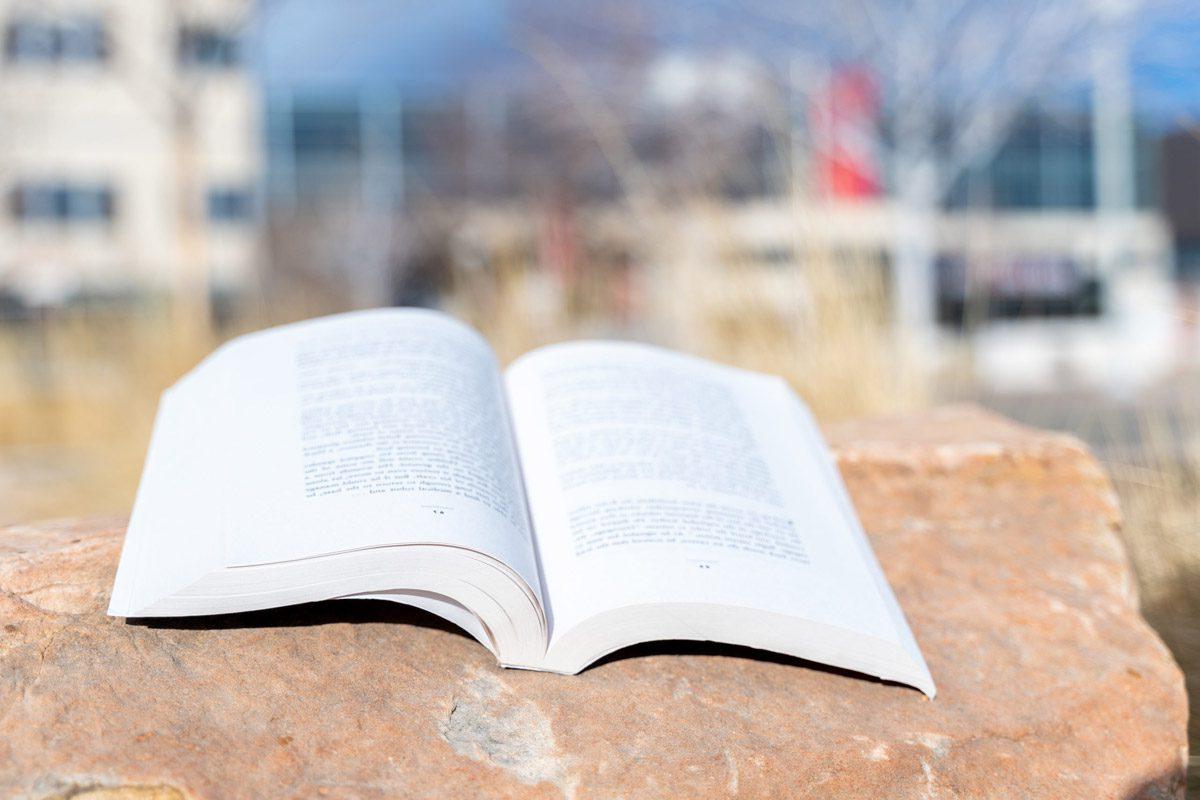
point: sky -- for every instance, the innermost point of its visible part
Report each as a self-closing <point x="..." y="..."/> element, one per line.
<point x="438" y="45"/>
<point x="426" y="46"/>
<point x="1166" y="66"/>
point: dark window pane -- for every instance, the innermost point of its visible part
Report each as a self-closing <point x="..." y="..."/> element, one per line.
<point x="325" y="131"/>
<point x="60" y="202"/>
<point x="83" y="40"/>
<point x="1015" y="288"/>
<point x="229" y="205"/>
<point x="89" y="203"/>
<point x="79" y="40"/>
<point x="31" y="40"/>
<point x="208" y="47"/>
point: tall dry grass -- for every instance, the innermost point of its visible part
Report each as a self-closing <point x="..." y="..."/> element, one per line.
<point x="1158" y="482"/>
<point x="77" y="397"/>
<point x="78" y="388"/>
<point x="78" y="392"/>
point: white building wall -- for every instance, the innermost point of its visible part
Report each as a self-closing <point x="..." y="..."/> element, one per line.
<point x="113" y="123"/>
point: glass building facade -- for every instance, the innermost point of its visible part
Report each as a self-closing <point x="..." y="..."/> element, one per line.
<point x="1047" y="162"/>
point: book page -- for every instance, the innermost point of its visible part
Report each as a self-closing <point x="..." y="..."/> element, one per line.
<point x="360" y="430"/>
<point x="655" y="477"/>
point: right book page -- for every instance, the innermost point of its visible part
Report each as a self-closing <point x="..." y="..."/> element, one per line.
<point x="659" y="479"/>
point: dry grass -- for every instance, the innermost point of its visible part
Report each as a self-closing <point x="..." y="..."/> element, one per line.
<point x="77" y="397"/>
<point x="78" y="392"/>
<point x="1159" y="486"/>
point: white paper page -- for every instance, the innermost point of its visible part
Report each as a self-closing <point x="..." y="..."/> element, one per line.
<point x="366" y="429"/>
<point x="173" y="537"/>
<point x="808" y="426"/>
<point x="656" y="477"/>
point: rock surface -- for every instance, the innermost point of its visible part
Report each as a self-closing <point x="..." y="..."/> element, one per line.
<point x="998" y="540"/>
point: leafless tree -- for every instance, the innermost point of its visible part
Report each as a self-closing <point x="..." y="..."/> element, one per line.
<point x="952" y="74"/>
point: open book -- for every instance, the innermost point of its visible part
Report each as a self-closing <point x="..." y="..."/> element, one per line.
<point x="592" y="496"/>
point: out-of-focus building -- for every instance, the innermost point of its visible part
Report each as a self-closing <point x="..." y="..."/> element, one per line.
<point x="376" y="120"/>
<point x="1180" y="192"/>
<point x="129" y="148"/>
<point x="608" y="148"/>
<point x="1024" y="273"/>
<point x="351" y="172"/>
<point x="1047" y="287"/>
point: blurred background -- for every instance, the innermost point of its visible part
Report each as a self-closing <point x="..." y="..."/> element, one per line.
<point x="893" y="203"/>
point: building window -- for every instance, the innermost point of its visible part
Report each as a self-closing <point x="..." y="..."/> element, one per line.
<point x="1015" y="287"/>
<point x="226" y="205"/>
<point x="326" y="132"/>
<point x="82" y="40"/>
<point x="27" y="40"/>
<point x="208" y="48"/>
<point x="62" y="203"/>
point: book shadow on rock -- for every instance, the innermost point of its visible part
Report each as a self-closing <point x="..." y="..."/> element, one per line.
<point x="305" y="615"/>
<point x="688" y="647"/>
<point x="330" y="612"/>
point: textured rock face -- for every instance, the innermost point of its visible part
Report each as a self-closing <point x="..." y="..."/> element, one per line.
<point x="998" y="540"/>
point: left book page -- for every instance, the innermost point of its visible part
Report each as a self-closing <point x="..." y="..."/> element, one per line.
<point x="309" y="442"/>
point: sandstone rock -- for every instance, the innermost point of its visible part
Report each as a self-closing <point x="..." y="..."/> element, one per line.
<point x="998" y="540"/>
